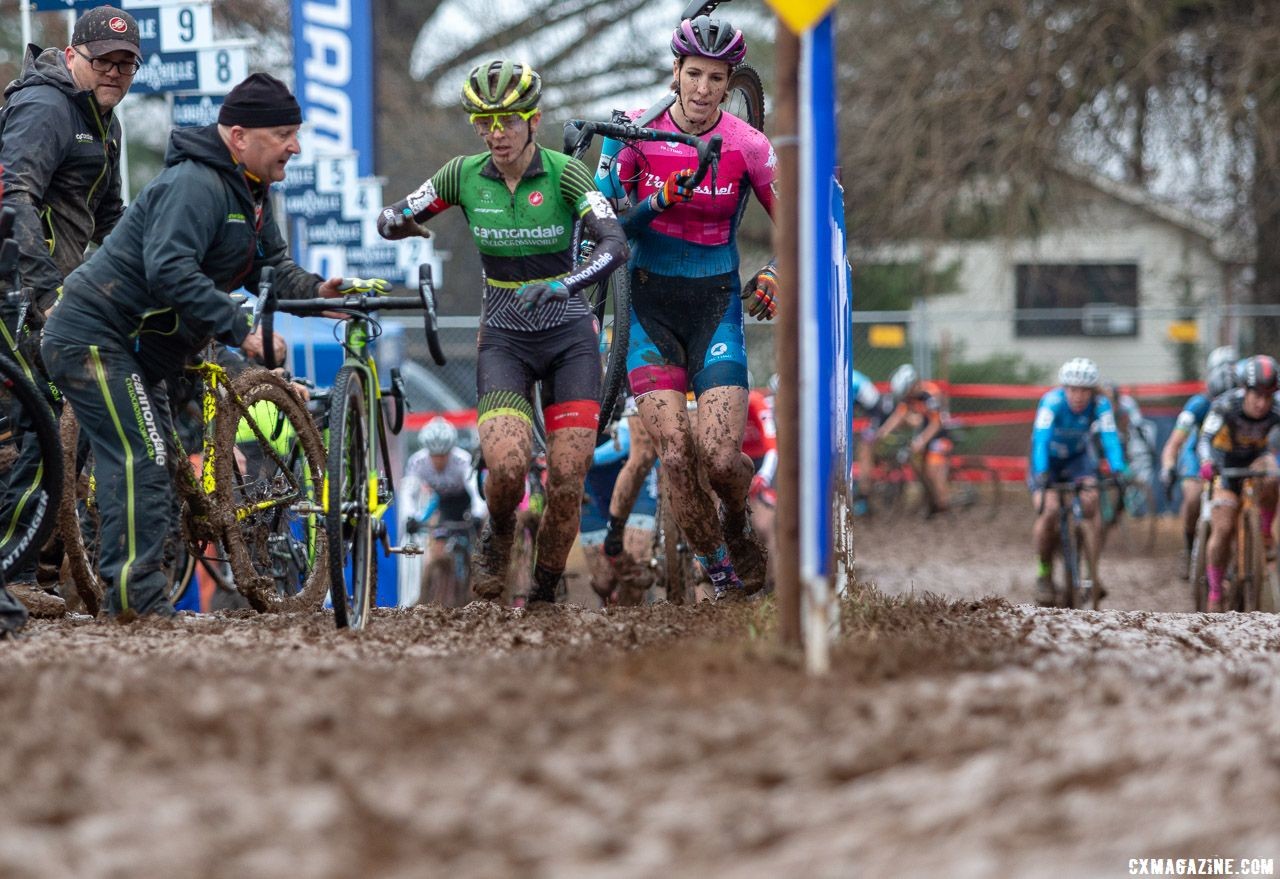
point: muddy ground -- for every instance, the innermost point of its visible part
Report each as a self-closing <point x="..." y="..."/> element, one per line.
<point x="962" y="735"/>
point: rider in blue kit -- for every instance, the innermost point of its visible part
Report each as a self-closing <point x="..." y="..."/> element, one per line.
<point x="1060" y="452"/>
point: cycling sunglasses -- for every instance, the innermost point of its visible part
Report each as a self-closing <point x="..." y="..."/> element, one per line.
<point x="487" y="123"/>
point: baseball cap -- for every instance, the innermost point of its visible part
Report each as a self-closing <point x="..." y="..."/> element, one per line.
<point x="105" y="29"/>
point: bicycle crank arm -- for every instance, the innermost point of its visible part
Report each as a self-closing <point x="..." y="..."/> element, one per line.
<point x="406" y="549"/>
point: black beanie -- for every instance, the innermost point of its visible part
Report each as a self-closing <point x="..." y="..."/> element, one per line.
<point x="261" y="101"/>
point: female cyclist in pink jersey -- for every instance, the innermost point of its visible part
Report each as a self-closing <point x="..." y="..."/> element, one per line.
<point x="688" y="301"/>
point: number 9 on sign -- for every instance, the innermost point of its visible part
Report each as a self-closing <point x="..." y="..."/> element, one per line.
<point x="186" y="28"/>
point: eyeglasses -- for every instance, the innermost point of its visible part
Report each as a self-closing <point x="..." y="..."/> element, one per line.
<point x="102" y="65"/>
<point x="487" y="123"/>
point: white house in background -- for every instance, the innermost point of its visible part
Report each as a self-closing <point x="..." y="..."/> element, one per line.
<point x="1119" y="262"/>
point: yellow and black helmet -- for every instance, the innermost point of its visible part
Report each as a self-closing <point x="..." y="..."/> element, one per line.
<point x="501" y="87"/>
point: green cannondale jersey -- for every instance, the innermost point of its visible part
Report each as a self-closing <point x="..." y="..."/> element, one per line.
<point x="528" y="235"/>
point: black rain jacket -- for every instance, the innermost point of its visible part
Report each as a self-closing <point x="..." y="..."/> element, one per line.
<point x="160" y="283"/>
<point x="61" y="160"/>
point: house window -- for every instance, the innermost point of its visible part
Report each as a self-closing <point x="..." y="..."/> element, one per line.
<point x="1102" y="299"/>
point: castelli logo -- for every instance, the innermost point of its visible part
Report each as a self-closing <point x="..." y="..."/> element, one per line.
<point x="535" y="198"/>
<point x="117" y="24"/>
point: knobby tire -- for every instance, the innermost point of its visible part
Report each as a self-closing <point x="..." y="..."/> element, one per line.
<point x="745" y="96"/>
<point x="19" y="546"/>
<point x="348" y="518"/>
<point x="1199" y="567"/>
<point x="285" y="465"/>
<point x="613" y="388"/>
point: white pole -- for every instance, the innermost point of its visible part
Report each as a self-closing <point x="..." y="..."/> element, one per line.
<point x="26" y="26"/>
<point x="124" y="159"/>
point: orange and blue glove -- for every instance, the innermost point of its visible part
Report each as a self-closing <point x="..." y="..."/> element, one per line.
<point x="675" y="188"/>
<point x="760" y="294"/>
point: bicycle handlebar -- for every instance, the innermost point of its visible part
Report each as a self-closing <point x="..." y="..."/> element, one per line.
<point x="264" y="316"/>
<point x="430" y="325"/>
<point x="1244" y="473"/>
<point x="357" y="303"/>
<point x="578" y="134"/>
<point x="361" y="303"/>
<point x="1075" y="487"/>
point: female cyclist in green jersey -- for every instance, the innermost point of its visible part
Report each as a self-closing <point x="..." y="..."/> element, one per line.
<point x="522" y="203"/>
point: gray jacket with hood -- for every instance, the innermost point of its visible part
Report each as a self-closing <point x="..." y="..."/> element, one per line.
<point x="158" y="287"/>
<point x="61" y="160"/>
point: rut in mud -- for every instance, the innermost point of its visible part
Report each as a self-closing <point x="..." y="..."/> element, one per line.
<point x="960" y="735"/>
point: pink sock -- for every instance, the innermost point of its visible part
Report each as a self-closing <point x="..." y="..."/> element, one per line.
<point x="1215" y="582"/>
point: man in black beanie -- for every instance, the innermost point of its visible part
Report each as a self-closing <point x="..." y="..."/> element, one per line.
<point x="154" y="294"/>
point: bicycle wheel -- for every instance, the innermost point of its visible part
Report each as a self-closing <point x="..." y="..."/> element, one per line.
<point x="348" y="513"/>
<point x="745" y="96"/>
<point x="461" y="555"/>
<point x="1200" y="567"/>
<point x="76" y="513"/>
<point x="1253" y="564"/>
<point x="268" y="470"/>
<point x="1070" y="547"/>
<point x="677" y="561"/>
<point x="615" y="373"/>
<point x="28" y="512"/>
<point x="524" y="551"/>
<point x="183" y="567"/>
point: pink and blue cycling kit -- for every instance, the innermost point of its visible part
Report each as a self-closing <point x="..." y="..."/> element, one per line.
<point x="686" y="317"/>
<point x="696" y="238"/>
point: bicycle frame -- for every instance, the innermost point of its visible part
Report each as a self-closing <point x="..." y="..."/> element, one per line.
<point x="1245" y="543"/>
<point x="215" y="394"/>
<point x="1071" y="518"/>
<point x="356" y="343"/>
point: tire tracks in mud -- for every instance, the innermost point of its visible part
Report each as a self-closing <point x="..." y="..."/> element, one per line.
<point x="962" y="737"/>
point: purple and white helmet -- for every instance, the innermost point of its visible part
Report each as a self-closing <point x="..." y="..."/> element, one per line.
<point x="706" y="37"/>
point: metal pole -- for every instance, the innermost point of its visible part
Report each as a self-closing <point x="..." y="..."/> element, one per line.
<point x="786" y="238"/>
<point x="124" y="157"/>
<point x="26" y="29"/>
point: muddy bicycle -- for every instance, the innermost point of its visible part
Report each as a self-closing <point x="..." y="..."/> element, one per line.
<point x="357" y="484"/>
<point x="247" y="508"/>
<point x="1079" y="588"/>
<point x="1246" y="573"/>
<point x="28" y="429"/>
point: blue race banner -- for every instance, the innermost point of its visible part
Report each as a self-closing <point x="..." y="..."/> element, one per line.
<point x="824" y="320"/>
<point x="333" y="65"/>
<point x="195" y="110"/>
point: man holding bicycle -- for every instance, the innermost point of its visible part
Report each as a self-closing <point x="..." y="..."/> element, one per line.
<point x="523" y="203"/>
<point x="154" y="294"/>
<point x="1060" y="453"/>
<point x="1242" y="430"/>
